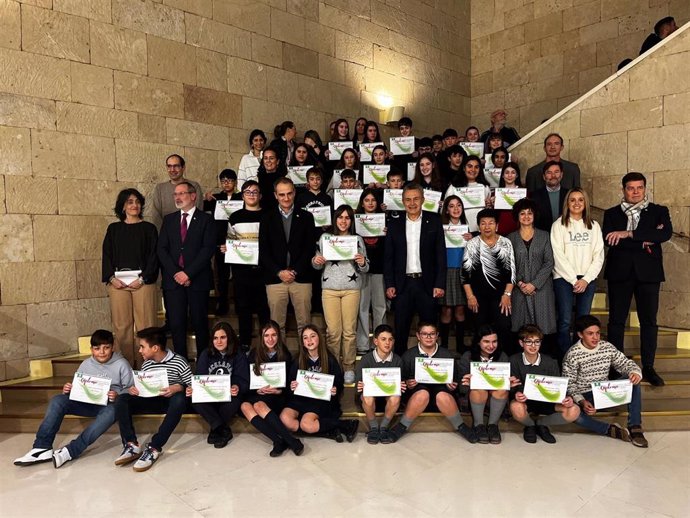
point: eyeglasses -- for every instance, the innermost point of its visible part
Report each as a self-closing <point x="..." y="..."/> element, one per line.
<point x="251" y="193"/>
<point x="531" y="342"/>
<point x="428" y="335"/>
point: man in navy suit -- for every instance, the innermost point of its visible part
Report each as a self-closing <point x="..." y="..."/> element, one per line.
<point x="415" y="264"/>
<point x="287" y="243"/>
<point x="634" y="231"/>
<point x="186" y="244"/>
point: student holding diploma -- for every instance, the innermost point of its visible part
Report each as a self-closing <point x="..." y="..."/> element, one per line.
<point x="170" y="401"/>
<point x="115" y="377"/>
<point x="471" y="175"/>
<point x="382" y="357"/>
<point x="341" y="284"/>
<point x="485" y="350"/>
<point x="554" y="409"/>
<point x="454" y="300"/>
<point x="588" y="362"/>
<point x="429" y="360"/>
<point x="223" y="358"/>
<point x="308" y="414"/>
<point x="262" y="406"/>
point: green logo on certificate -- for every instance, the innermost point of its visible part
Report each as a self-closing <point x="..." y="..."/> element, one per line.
<point x="388" y="388"/>
<point x="494" y="381"/>
<point x="94" y="396"/>
<point x="318" y="392"/>
<point x="440" y="377"/>
<point x="471" y="199"/>
<point x="616" y="398"/>
<point x="551" y="395"/>
<point x="456" y="240"/>
<point x="213" y="393"/>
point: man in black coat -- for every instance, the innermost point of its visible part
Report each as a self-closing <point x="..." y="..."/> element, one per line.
<point x="549" y="199"/>
<point x="634" y="231"/>
<point x="287" y="243"/>
<point x="186" y="244"/>
<point x="415" y="264"/>
<point x="553" y="147"/>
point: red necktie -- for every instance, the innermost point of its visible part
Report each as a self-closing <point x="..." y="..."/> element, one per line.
<point x="183" y="236"/>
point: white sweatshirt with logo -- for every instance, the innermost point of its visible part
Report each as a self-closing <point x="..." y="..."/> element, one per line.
<point x="577" y="250"/>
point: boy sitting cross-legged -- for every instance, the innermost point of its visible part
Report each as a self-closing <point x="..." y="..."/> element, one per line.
<point x="590" y="360"/>
<point x="531" y="361"/>
<point x="104" y="363"/>
<point x="172" y="401"/>
<point x="380" y="357"/>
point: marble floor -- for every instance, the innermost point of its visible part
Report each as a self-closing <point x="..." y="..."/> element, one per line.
<point x="424" y="475"/>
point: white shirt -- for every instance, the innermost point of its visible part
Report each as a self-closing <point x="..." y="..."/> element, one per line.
<point x="421" y="351"/>
<point x="378" y="359"/>
<point x="190" y="213"/>
<point x="525" y="361"/>
<point x="413" y="232"/>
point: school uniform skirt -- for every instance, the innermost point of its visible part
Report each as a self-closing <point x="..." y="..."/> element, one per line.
<point x="324" y="409"/>
<point x="454" y="295"/>
<point x="275" y="402"/>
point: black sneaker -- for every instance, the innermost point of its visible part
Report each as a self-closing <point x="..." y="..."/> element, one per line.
<point x="213" y="435"/>
<point x="224" y="438"/>
<point x="494" y="434"/>
<point x="545" y="434"/>
<point x="468" y="433"/>
<point x="529" y="434"/>
<point x="350" y="429"/>
<point x="397" y="432"/>
<point x="650" y="375"/>
<point x="481" y="433"/>
<point x="385" y="436"/>
<point x="374" y="436"/>
<point x="279" y="448"/>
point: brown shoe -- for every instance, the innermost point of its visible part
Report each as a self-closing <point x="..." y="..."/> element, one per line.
<point x="616" y="431"/>
<point x="637" y="437"/>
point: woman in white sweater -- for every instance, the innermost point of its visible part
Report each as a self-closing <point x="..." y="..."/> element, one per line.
<point x="578" y="252"/>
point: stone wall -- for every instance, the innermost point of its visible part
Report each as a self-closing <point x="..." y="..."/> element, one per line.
<point x="536" y="57"/>
<point x="639" y="121"/>
<point x="94" y="94"/>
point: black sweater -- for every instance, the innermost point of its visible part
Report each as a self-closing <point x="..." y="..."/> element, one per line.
<point x="130" y="247"/>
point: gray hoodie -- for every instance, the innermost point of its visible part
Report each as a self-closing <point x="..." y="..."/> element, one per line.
<point x="117" y="369"/>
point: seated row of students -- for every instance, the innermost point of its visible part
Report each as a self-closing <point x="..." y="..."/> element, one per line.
<point x="279" y="413"/>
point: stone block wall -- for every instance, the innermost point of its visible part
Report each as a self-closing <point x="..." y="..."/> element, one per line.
<point x="639" y="121"/>
<point x="535" y="57"/>
<point x="94" y="94"/>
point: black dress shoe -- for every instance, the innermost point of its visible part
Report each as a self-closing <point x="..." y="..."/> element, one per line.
<point x="278" y="449"/>
<point x="650" y="375"/>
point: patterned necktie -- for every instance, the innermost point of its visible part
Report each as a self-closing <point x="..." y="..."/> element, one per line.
<point x="183" y="236"/>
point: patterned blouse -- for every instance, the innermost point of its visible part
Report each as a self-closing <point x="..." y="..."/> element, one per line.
<point x="488" y="268"/>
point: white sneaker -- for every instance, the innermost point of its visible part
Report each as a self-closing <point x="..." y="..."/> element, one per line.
<point x="130" y="453"/>
<point x="349" y="377"/>
<point x="147" y="459"/>
<point x="35" y="456"/>
<point x="60" y="457"/>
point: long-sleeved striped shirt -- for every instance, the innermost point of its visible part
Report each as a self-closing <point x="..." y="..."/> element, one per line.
<point x="178" y="369"/>
<point x="584" y="366"/>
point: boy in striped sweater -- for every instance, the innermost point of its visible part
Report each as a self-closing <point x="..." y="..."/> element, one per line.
<point x="590" y="360"/>
<point x="172" y="401"/>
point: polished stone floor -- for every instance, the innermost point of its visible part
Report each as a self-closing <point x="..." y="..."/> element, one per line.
<point x="425" y="474"/>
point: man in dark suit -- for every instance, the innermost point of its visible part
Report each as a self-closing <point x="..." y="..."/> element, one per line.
<point x="549" y="199"/>
<point x="553" y="147"/>
<point x="287" y="243"/>
<point x="185" y="246"/>
<point x="415" y="264"/>
<point x="634" y="231"/>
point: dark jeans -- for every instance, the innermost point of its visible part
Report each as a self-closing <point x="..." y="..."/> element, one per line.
<point x="412" y="298"/>
<point x="173" y="408"/>
<point x="647" y="301"/>
<point x="601" y="427"/>
<point x="250" y="298"/>
<point x="223" y="272"/>
<point x="218" y="414"/>
<point x="179" y="303"/>
<point x="60" y="406"/>
<point x="564" y="306"/>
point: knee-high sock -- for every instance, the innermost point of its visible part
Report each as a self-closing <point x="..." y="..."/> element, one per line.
<point x="444" y="330"/>
<point x="477" y="413"/>
<point x="527" y="420"/>
<point x="459" y="336"/>
<point x="496" y="408"/>
<point x="265" y="429"/>
<point x="552" y="420"/>
<point x="276" y="424"/>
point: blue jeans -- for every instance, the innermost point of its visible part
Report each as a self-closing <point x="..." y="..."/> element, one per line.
<point x="564" y="305"/>
<point x="601" y="427"/>
<point x="60" y="406"/>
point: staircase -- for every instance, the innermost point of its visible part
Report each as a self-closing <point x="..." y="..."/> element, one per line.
<point x="23" y="402"/>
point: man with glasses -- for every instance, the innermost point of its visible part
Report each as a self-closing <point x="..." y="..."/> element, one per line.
<point x="414" y="269"/>
<point x="186" y="243"/>
<point x="250" y="291"/>
<point x="287" y="242"/>
<point x="161" y="199"/>
<point x="228" y="182"/>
